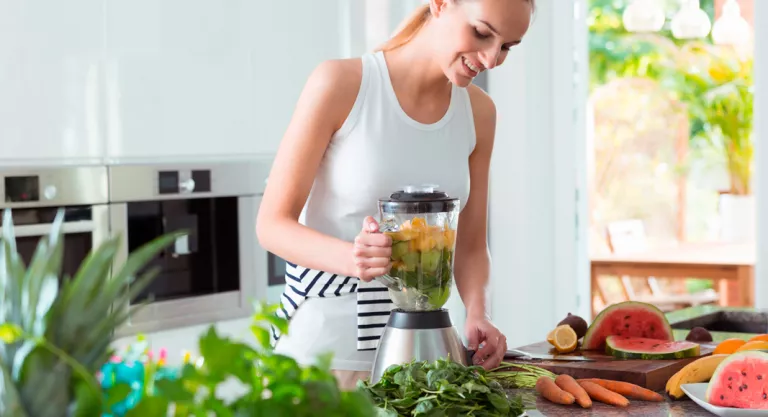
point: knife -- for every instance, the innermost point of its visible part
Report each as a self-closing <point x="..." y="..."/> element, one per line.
<point x="519" y="354"/>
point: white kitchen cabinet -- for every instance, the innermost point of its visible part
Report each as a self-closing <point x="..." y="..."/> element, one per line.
<point x="50" y="91"/>
<point x="206" y="77"/>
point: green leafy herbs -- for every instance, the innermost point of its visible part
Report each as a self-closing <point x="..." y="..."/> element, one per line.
<point x="439" y="388"/>
<point x="518" y="375"/>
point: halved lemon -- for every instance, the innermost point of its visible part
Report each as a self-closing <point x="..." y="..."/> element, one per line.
<point x="564" y="339"/>
<point x="551" y="337"/>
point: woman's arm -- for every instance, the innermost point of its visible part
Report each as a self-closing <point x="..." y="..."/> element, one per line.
<point x="325" y="103"/>
<point x="473" y="262"/>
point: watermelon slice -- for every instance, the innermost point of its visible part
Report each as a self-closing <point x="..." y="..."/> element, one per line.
<point x="625" y="347"/>
<point x="740" y="381"/>
<point x="630" y="318"/>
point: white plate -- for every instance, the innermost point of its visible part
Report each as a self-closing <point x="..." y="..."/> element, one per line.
<point x="697" y="392"/>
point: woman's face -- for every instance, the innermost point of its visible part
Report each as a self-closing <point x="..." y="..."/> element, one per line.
<point x="472" y="36"/>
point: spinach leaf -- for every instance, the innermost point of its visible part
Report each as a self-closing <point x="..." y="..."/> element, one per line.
<point x="439" y="388"/>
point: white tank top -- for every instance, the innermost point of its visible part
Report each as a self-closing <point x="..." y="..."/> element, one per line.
<point x="378" y="150"/>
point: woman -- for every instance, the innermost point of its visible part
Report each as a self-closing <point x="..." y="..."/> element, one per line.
<point x="363" y="128"/>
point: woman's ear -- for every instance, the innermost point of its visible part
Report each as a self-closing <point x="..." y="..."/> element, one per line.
<point x="437" y="7"/>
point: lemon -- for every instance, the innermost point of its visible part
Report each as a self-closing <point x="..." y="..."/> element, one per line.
<point x="551" y="335"/>
<point x="564" y="339"/>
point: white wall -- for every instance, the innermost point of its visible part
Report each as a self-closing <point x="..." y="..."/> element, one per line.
<point x="761" y="151"/>
<point x="539" y="271"/>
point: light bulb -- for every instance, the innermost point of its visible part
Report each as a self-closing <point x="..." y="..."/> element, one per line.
<point x="690" y="22"/>
<point x="731" y="28"/>
<point x="643" y="16"/>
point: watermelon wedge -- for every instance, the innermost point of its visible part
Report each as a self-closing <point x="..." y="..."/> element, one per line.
<point x="630" y="318"/>
<point x="624" y="347"/>
<point x="740" y="381"/>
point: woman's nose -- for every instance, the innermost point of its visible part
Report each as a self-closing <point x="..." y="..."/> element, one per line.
<point x="490" y="58"/>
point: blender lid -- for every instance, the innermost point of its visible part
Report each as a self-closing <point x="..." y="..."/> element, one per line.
<point x="419" y="199"/>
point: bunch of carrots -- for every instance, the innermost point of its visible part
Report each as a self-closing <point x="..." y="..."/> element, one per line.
<point x="566" y="390"/>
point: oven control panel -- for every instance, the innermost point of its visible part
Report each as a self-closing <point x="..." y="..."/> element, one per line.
<point x="180" y="182"/>
<point x="47" y="187"/>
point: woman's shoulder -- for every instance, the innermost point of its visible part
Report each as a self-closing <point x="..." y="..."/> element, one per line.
<point x="342" y="76"/>
<point x="338" y="82"/>
<point x="483" y="112"/>
<point x="482" y="103"/>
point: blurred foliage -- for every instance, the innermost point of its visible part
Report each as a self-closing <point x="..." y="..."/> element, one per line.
<point x="714" y="83"/>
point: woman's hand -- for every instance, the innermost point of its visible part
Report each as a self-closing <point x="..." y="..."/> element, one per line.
<point x="486" y="340"/>
<point x="371" y="251"/>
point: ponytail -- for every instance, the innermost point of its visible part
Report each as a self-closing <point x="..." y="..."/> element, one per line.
<point x="407" y="29"/>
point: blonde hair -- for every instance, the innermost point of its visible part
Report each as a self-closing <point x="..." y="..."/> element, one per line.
<point x="411" y="26"/>
<point x="408" y="29"/>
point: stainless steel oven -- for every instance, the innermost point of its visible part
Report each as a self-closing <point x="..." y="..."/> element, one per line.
<point x="216" y="271"/>
<point x="35" y="195"/>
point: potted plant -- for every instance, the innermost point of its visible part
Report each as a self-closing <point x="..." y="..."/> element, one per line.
<point x="718" y="89"/>
<point x="55" y="339"/>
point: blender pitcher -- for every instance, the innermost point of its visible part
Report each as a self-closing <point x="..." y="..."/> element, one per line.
<point x="422" y="222"/>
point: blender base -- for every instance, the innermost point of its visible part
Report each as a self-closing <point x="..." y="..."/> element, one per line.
<point x="419" y="336"/>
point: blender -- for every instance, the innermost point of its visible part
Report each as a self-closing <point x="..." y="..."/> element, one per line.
<point x="422" y="222"/>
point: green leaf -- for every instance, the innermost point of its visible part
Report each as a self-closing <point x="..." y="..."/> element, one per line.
<point x="87" y="403"/>
<point x="150" y="407"/>
<point x="10" y="333"/>
<point x="173" y="390"/>
<point x="10" y="399"/>
<point x="262" y="335"/>
<point x="117" y="393"/>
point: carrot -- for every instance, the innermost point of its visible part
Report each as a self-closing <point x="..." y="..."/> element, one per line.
<point x="548" y="389"/>
<point x="628" y="390"/>
<point x="569" y="385"/>
<point x="596" y="392"/>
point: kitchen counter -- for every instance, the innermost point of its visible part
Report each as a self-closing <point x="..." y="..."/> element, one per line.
<point x="681" y="408"/>
<point x="684" y="407"/>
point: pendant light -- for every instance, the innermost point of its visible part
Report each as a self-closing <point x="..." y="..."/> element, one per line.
<point x="690" y="22"/>
<point x="731" y="28"/>
<point x="643" y="16"/>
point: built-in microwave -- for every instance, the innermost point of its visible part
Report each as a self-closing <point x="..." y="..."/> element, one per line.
<point x="217" y="270"/>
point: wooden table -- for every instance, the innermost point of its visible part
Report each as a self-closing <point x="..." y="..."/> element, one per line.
<point x="730" y="265"/>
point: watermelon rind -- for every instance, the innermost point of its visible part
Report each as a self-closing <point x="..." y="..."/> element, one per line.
<point x="596" y="334"/>
<point x="717" y="384"/>
<point x="679" y="350"/>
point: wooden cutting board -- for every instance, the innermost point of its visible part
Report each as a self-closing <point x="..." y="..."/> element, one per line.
<point x="651" y="374"/>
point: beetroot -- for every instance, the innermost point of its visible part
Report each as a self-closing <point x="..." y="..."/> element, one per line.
<point x="740" y="381"/>
<point x="630" y="318"/>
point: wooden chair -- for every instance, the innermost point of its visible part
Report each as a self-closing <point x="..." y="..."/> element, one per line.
<point x="628" y="236"/>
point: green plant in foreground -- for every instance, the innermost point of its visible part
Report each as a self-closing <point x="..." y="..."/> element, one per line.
<point x="56" y="336"/>
<point x="440" y="388"/>
<point x="268" y="384"/>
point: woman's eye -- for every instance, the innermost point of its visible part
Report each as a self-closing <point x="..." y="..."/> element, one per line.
<point x="480" y="35"/>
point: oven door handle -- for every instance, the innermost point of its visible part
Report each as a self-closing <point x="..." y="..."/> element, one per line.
<point x="44" y="229"/>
